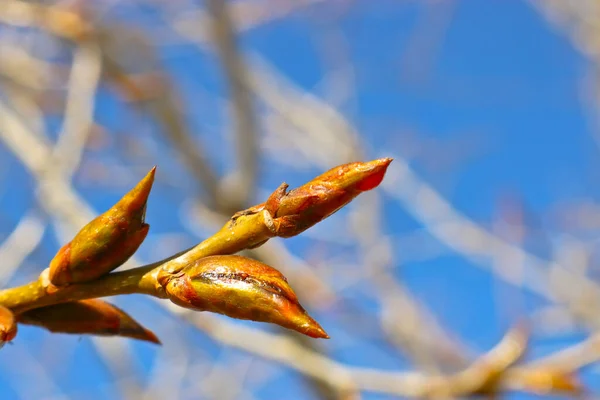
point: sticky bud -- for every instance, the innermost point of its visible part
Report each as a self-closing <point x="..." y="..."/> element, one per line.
<point x="240" y="288"/>
<point x="106" y="242"/>
<point x="91" y="317"/>
<point x="299" y="209"/>
<point x="8" y="326"/>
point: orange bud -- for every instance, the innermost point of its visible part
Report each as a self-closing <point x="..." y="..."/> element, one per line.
<point x="303" y="207"/>
<point x="92" y="317"/>
<point x="8" y="326"/>
<point x="241" y="288"/>
<point x="106" y="242"/>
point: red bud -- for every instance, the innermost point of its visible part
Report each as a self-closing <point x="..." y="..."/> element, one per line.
<point x="303" y="207"/>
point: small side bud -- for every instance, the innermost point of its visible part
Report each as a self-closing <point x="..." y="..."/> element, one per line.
<point x="8" y="326"/>
<point x="106" y="242"/>
<point x="241" y="288"/>
<point x="91" y="317"/>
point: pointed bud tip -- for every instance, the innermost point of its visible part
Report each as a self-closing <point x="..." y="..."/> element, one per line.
<point x="374" y="174"/>
<point x="318" y="333"/>
<point x="137" y="197"/>
<point x="150" y="175"/>
<point x="146" y="183"/>
<point x="149" y="336"/>
<point x="309" y="327"/>
<point x="385" y="161"/>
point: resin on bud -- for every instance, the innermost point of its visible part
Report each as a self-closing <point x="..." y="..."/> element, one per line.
<point x="106" y="242"/>
<point x="299" y="209"/>
<point x="240" y="288"/>
<point x="92" y="317"/>
<point x="8" y="326"/>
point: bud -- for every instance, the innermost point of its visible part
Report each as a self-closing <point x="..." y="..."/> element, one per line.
<point x="8" y="326"/>
<point x="303" y="207"/>
<point x="106" y="242"/>
<point x="92" y="317"/>
<point x="241" y="288"/>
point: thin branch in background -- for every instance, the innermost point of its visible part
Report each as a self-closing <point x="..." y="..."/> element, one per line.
<point x="19" y="67"/>
<point x="58" y="20"/>
<point x="431" y="29"/>
<point x="119" y="358"/>
<point x="23" y="240"/>
<point x="244" y="120"/>
<point x="408" y="324"/>
<point x="480" y="375"/>
<point x="225" y="382"/>
<point x="79" y="112"/>
<point x="163" y="104"/>
<point x="325" y="135"/>
<point x="170" y="367"/>
<point x="339" y="81"/>
<point x="245" y="16"/>
<point x="72" y="26"/>
<point x="476" y="243"/>
<point x="31" y="367"/>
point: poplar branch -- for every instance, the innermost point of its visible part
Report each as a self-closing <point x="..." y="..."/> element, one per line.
<point x="236" y="235"/>
<point x="284" y="214"/>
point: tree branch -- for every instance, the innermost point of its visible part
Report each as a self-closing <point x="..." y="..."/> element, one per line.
<point x="246" y="128"/>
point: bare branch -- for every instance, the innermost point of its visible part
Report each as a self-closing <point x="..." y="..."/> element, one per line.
<point x="245" y="124"/>
<point x="79" y="113"/>
<point x="23" y="240"/>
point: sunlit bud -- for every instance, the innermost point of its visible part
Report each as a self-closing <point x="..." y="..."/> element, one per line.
<point x="106" y="242"/>
<point x="8" y="326"/>
<point x="303" y="207"/>
<point x="91" y="317"/>
<point x="241" y="288"/>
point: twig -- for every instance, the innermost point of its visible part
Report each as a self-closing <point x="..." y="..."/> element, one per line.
<point x="20" y="67"/>
<point x="245" y="125"/>
<point x="496" y="364"/>
<point x="245" y="16"/>
<point x="79" y="113"/>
